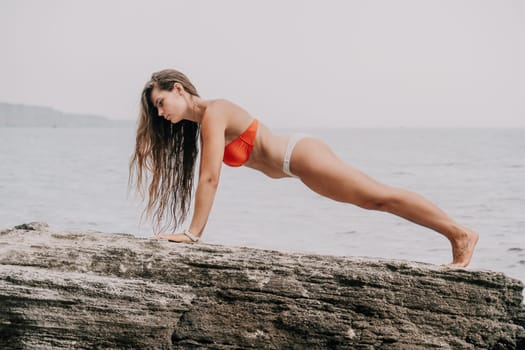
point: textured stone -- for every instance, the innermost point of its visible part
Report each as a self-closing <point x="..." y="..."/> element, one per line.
<point x="92" y="290"/>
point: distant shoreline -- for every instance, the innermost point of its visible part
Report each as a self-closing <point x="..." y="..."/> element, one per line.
<point x="23" y="116"/>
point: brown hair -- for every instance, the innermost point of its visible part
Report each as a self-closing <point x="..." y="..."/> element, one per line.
<point x="167" y="152"/>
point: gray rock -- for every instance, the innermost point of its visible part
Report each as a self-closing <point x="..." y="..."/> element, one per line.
<point x="92" y="290"/>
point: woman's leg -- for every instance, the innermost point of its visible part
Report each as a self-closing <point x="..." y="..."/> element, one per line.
<point x="322" y="171"/>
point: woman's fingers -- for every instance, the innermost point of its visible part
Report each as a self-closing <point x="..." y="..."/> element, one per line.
<point x="177" y="238"/>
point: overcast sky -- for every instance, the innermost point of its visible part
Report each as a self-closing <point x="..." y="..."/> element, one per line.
<point x="293" y="64"/>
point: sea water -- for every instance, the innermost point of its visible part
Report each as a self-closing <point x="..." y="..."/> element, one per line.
<point x="76" y="179"/>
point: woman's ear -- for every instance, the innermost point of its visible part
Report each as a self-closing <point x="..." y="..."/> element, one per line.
<point x="179" y="88"/>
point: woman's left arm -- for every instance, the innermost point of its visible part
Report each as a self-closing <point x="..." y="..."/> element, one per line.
<point x="212" y="152"/>
<point x="213" y="126"/>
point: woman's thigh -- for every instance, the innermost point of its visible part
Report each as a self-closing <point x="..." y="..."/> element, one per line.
<point x="322" y="171"/>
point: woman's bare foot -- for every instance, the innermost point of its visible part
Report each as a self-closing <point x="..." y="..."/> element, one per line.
<point x="463" y="247"/>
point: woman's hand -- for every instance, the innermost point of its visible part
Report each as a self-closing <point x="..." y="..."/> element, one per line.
<point x="173" y="237"/>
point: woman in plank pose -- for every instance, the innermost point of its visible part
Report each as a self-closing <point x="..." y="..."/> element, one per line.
<point x="174" y="119"/>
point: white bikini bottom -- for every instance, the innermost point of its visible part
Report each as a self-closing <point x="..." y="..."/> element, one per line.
<point x="292" y="141"/>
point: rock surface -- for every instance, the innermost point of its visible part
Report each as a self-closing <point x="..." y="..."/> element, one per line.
<point x="91" y="290"/>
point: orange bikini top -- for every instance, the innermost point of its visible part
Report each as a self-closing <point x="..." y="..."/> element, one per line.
<point x="237" y="152"/>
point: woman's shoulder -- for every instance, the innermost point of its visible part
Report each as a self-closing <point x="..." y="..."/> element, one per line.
<point x="220" y="104"/>
<point x="224" y="109"/>
<point x="216" y="114"/>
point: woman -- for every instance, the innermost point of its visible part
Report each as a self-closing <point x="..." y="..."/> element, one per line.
<point x="172" y="118"/>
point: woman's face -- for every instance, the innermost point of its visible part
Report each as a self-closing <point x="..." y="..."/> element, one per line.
<point x="171" y="105"/>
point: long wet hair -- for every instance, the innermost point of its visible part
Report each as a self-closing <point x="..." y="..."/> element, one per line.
<point x="165" y="154"/>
